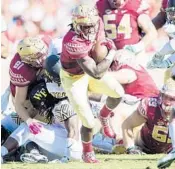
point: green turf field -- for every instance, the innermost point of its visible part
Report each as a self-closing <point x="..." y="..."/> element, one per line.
<point x="106" y="162"/>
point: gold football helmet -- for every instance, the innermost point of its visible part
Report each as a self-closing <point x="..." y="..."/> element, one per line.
<point x="85" y="20"/>
<point x="32" y="51"/>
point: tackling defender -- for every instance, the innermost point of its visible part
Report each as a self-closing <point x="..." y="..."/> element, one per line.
<point x="24" y="70"/>
<point x="53" y="110"/>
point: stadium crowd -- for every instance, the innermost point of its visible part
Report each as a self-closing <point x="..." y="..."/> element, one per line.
<point x="82" y="77"/>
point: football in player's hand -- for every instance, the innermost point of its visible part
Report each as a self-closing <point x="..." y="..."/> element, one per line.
<point x="99" y="51"/>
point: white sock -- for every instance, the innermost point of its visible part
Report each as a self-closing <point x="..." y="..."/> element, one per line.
<point x="4" y="151"/>
<point x="172" y="133"/>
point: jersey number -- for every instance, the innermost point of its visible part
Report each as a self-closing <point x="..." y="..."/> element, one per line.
<point x="124" y="26"/>
<point x="18" y="65"/>
<point x="160" y="133"/>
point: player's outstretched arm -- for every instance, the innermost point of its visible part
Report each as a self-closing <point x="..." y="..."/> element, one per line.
<point x="19" y="102"/>
<point x="148" y="28"/>
<point x="20" y="98"/>
<point x="158" y="59"/>
<point x="134" y="120"/>
<point x="146" y="25"/>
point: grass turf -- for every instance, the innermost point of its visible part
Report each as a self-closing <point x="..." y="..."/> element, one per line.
<point x="106" y="162"/>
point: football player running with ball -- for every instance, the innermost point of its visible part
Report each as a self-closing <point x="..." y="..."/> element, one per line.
<point x="80" y="73"/>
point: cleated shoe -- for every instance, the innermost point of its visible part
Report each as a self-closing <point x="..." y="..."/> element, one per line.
<point x="89" y="157"/>
<point x="167" y="160"/>
<point x="107" y="130"/>
<point x="33" y="158"/>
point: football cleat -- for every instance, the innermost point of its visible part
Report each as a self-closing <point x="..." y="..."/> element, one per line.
<point x="89" y="157"/>
<point x="107" y="130"/>
<point x="167" y="160"/>
<point x="135" y="150"/>
<point x="119" y="148"/>
<point x="33" y="158"/>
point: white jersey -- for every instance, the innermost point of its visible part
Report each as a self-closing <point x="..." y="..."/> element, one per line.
<point x="53" y="138"/>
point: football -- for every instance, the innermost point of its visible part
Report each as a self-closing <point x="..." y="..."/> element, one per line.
<point x="99" y="51"/>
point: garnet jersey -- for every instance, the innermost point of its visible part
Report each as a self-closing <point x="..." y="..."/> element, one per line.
<point x="121" y="24"/>
<point x="143" y="86"/>
<point x="74" y="47"/>
<point x="21" y="74"/>
<point x="154" y="133"/>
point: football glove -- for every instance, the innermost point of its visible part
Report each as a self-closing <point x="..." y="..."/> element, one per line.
<point x="34" y="126"/>
<point x="155" y="62"/>
<point x="164" y="64"/>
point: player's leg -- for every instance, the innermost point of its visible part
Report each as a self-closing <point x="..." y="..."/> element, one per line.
<point x="33" y="154"/>
<point x="16" y="139"/>
<point x="72" y="126"/>
<point x="100" y="142"/>
<point x="52" y="135"/>
<point x="8" y="123"/>
<point x="109" y="86"/>
<point x="76" y="88"/>
<point x="123" y="111"/>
